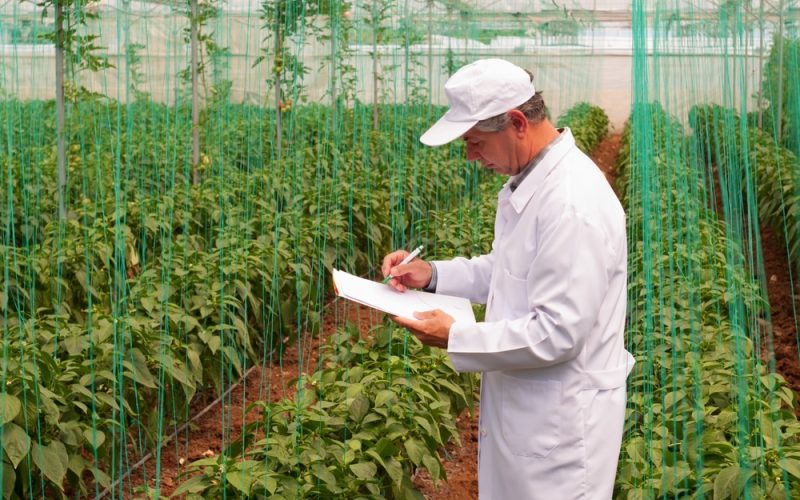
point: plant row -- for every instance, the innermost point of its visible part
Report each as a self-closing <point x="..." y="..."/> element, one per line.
<point x="379" y="466"/>
<point x="779" y="113"/>
<point x="589" y="125"/>
<point x="374" y="414"/>
<point x="705" y="417"/>
<point x="753" y="155"/>
<point x="410" y="393"/>
<point x="155" y="287"/>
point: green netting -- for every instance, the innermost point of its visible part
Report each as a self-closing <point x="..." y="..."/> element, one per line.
<point x="709" y="415"/>
<point x="180" y="178"/>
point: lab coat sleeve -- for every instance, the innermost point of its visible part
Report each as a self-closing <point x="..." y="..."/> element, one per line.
<point x="565" y="283"/>
<point x="468" y="278"/>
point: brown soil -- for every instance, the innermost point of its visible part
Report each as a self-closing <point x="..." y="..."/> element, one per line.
<point x="605" y="156"/>
<point x="783" y="346"/>
<point x="779" y="341"/>
<point x="460" y="465"/>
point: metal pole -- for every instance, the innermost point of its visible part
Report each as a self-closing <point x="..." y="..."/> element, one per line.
<point x="761" y="65"/>
<point x="780" y="72"/>
<point x="375" y="28"/>
<point x="61" y="151"/>
<point x="278" y="69"/>
<point x="195" y="96"/>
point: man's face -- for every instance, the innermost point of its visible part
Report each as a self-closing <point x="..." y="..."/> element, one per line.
<point x="494" y="150"/>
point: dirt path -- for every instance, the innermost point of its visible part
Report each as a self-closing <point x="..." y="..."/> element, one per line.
<point x="781" y="347"/>
<point x="782" y="314"/>
<point x="605" y="156"/>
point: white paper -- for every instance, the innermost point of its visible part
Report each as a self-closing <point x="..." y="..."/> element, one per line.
<point x="405" y="304"/>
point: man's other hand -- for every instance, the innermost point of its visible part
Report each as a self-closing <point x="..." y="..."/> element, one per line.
<point x="415" y="274"/>
<point x="431" y="327"/>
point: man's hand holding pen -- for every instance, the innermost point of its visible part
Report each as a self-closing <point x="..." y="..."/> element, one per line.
<point x="403" y="271"/>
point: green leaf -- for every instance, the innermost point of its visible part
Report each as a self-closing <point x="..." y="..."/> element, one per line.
<point x="372" y="453"/>
<point x="101" y="477"/>
<point x="268" y="482"/>
<point x="359" y="407"/>
<point x="52" y="460"/>
<point x="384" y="397"/>
<point x="353" y="390"/>
<point x="9" y="478"/>
<point x="364" y="470"/>
<point x="77" y="464"/>
<point x="194" y="361"/>
<point x="205" y="462"/>
<point x="791" y="466"/>
<point x="9" y="408"/>
<point x="322" y="472"/>
<point x="415" y="450"/>
<point x="80" y="389"/>
<point x="16" y="443"/>
<point x="241" y="480"/>
<point x="92" y="436"/>
<point x="76" y="344"/>
<point x="636" y="450"/>
<point x="141" y="372"/>
<point x="46" y="404"/>
<point x="178" y="371"/>
<point x="107" y="399"/>
<point x="213" y="344"/>
<point x="727" y="482"/>
<point x="194" y="484"/>
<point x="432" y="464"/>
<point x="394" y="469"/>
<point x="409" y="492"/>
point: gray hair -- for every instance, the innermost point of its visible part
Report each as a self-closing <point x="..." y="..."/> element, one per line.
<point x="533" y="109"/>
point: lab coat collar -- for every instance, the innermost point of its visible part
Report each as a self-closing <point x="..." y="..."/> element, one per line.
<point x="525" y="191"/>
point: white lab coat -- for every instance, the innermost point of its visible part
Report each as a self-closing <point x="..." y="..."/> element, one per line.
<point x="551" y="349"/>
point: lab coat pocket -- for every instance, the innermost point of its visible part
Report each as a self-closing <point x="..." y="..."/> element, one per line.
<point x="531" y="416"/>
<point x="511" y="300"/>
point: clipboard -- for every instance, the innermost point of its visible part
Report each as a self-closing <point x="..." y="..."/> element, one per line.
<point x="405" y="304"/>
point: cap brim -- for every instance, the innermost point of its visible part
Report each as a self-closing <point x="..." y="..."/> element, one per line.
<point x="444" y="131"/>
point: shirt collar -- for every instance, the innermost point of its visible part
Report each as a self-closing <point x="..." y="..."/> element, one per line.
<point x="543" y="166"/>
<point x="517" y="179"/>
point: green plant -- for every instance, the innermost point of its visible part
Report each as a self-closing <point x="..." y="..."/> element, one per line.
<point x="373" y="413"/>
<point x="589" y="125"/>
<point x="701" y="421"/>
<point x="173" y="287"/>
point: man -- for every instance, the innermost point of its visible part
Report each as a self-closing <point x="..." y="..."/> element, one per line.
<point x="551" y="349"/>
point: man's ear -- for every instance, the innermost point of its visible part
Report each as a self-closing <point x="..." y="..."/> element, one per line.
<point x="519" y="121"/>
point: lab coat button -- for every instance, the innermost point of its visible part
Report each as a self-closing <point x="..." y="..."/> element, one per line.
<point x="483" y="433"/>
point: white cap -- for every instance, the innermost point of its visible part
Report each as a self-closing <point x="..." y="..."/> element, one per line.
<point x="481" y="90"/>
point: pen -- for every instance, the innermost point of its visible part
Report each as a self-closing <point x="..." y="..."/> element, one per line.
<point x="408" y="259"/>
